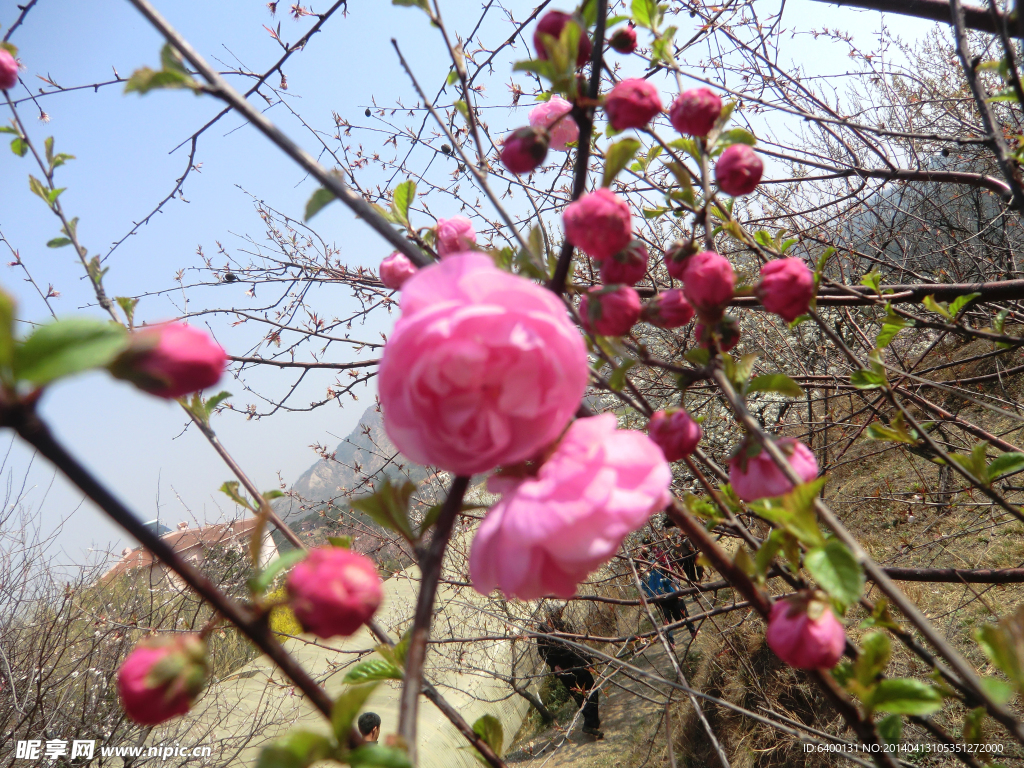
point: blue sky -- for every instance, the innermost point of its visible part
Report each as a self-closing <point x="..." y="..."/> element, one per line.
<point x="123" y="168"/>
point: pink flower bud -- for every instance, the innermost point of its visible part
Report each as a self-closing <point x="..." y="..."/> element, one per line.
<point x="724" y="334"/>
<point x="754" y="475"/>
<point x="708" y="283"/>
<point x="668" y="309"/>
<point x="676" y="256"/>
<point x="738" y="171"/>
<point x="694" y="112"/>
<point x="599" y="224"/>
<point x="610" y="310"/>
<point x="170" y="360"/>
<point x="8" y="70"/>
<point x="161" y="677"/>
<point x="786" y="288"/>
<point x="552" y="23"/>
<point x="454" y="235"/>
<point x="804" y="633"/>
<point x="524" y="149"/>
<point x="554" y="116"/>
<point x="623" y="39"/>
<point x="674" y="432"/>
<point x="628" y="266"/>
<point x="395" y="270"/>
<point x="632" y="103"/>
<point x="334" y="591"/>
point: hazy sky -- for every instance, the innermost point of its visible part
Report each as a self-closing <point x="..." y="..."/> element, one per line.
<point x="123" y="168"/>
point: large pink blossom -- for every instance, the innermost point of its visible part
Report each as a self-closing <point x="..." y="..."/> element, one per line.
<point x="675" y="432"/>
<point x="754" y="475"/>
<point x="161" y="677"/>
<point x="804" y="633"/>
<point x="170" y="360"/>
<point x="694" y="112"/>
<point x="610" y="310"/>
<point x="334" y="591"/>
<point x="668" y="309"/>
<point x="483" y="368"/>
<point x="548" y="532"/>
<point x="786" y="288"/>
<point x="738" y="171"/>
<point x="8" y="70"/>
<point x="454" y="235"/>
<point x="708" y="283"/>
<point x="632" y="103"/>
<point x="628" y="266"/>
<point x="554" y="115"/>
<point x="524" y="149"/>
<point x="599" y="223"/>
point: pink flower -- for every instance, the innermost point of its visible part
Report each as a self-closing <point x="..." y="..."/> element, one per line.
<point x="786" y="288"/>
<point x="454" y="235"/>
<point x="334" y="591"/>
<point x="610" y="310"/>
<point x="668" y="309"/>
<point x="674" y="432"/>
<point x="754" y="475"/>
<point x="170" y="360"/>
<point x="725" y="333"/>
<point x="8" y="70"/>
<point x="552" y="23"/>
<point x="676" y="256"/>
<point x="524" y="149"/>
<point x="623" y="39"/>
<point x="548" y="532"/>
<point x="161" y="677"/>
<point x="554" y="115"/>
<point x="628" y="266"/>
<point x="708" y="282"/>
<point x="395" y="270"/>
<point x="738" y="171"/>
<point x="599" y="224"/>
<point x="804" y="633"/>
<point x="632" y="103"/>
<point x="694" y="112"/>
<point x="483" y="368"/>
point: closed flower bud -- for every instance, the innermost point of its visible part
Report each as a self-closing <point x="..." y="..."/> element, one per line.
<point x="454" y="235"/>
<point x="599" y="224"/>
<point x="8" y="70"/>
<point x="628" y="266"/>
<point x="623" y="39"/>
<point x="334" y="591"/>
<point x="754" y="475"/>
<point x="694" y="112"/>
<point x="674" y="432"/>
<point x="632" y="103"/>
<point x="708" y="283"/>
<point x="668" y="309"/>
<point x="786" y="288"/>
<point x="676" y="256"/>
<point x="552" y="23"/>
<point x="738" y="171"/>
<point x="611" y="310"/>
<point x="524" y="149"/>
<point x="170" y="360"/>
<point x="804" y="633"/>
<point x="554" y="116"/>
<point x="724" y="335"/>
<point x="395" y="270"/>
<point x="161" y="677"/>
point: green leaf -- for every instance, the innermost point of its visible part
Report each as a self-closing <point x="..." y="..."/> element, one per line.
<point x="1003" y="643"/>
<point x="769" y="548"/>
<point x="405" y="194"/>
<point x="210" y="406"/>
<point x="172" y="75"/>
<point x="488" y="728"/>
<point x="66" y="347"/>
<point x="836" y="571"/>
<point x="661" y="48"/>
<point x="892" y="325"/>
<point x="653" y="213"/>
<point x="867" y="379"/>
<point x="904" y="696"/>
<point x="296" y="750"/>
<point x="618" y="378"/>
<point x="541" y="67"/>
<point x="938" y="307"/>
<point x="794" y="512"/>
<point x="412" y="4"/>
<point x="738" y="370"/>
<point x="463" y="109"/>
<point x="996" y="689"/>
<point x="890" y="728"/>
<point x="960" y="302"/>
<point x="344" y="542"/>
<point x="389" y="506"/>
<point x="698" y="355"/>
<point x="737" y="136"/>
<point x="317" y="201"/>
<point x="346" y="709"/>
<point x="58" y="242"/>
<point x="11" y="48"/>
<point x="377" y="756"/>
<point x="230" y="489"/>
<point x="645" y="13"/>
<point x="1005" y="464"/>
<point x="259" y="584"/>
<point x="617" y="157"/>
<point x="19" y="146"/>
<point x="775" y="382"/>
<point x="876" y="650"/>
<point x="872" y="280"/>
<point x="8" y="313"/>
<point x="972" y="725"/>
<point x="373" y="669"/>
<point x="39" y="188"/>
<point x="897" y="432"/>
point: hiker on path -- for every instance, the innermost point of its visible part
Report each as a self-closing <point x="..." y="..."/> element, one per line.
<point x="570" y="666"/>
<point x="369" y="726"/>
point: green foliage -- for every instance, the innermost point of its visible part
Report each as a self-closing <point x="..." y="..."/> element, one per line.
<point x="949" y="311"/>
<point x="373" y="669"/>
<point x="904" y="696"/>
<point x="262" y="582"/>
<point x="1003" y="643"/>
<point x="388" y="506"/>
<point x="172" y="74"/>
<point x="317" y="202"/>
<point x="617" y="157"/>
<point x="405" y="194"/>
<point x="775" y="382"/>
<point x="378" y="756"/>
<point x="795" y="513"/>
<point x="298" y="749"/>
<point x="489" y="729"/>
<point x="346" y="709"/>
<point x="836" y="571"/>
<point x="66" y="347"/>
<point x="896" y="432"/>
<point x="890" y="728"/>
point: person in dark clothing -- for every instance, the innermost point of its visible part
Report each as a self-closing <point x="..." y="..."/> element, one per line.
<point x="369" y="726"/>
<point x="569" y="665"/>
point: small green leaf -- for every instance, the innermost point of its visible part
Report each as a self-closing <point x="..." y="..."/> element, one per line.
<point x="737" y="136"/>
<point x="775" y="382"/>
<point x="618" y="378"/>
<point x="960" y="302"/>
<point x="296" y="750"/>
<point x="405" y="194"/>
<point x="890" y="728"/>
<point x="8" y="313"/>
<point x="373" y="669"/>
<point x="173" y="75"/>
<point x="938" y="307"/>
<point x="836" y="571"/>
<point x="769" y="548"/>
<point x="39" y="188"/>
<point x="1003" y="643"/>
<point x="698" y="355"/>
<point x="794" y="512"/>
<point x="317" y="201"/>
<point x="377" y="756"/>
<point x="346" y="709"/>
<point x="389" y="506"/>
<point x="19" y="146"/>
<point x="488" y="728"/>
<point x="66" y="347"/>
<point x="876" y="650"/>
<point x="867" y="379"/>
<point x="259" y="584"/>
<point x="617" y="157"/>
<point x="210" y="405"/>
<point x="972" y="725"/>
<point x="904" y="696"/>
<point x="1005" y="464"/>
<point x="230" y="489"/>
<point x="996" y="689"/>
<point x="344" y="542"/>
<point x="646" y="13"/>
<point x="58" y="242"/>
<point x="872" y="280"/>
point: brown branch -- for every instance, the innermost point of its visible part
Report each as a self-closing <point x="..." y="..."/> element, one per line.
<point x="933" y="10"/>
